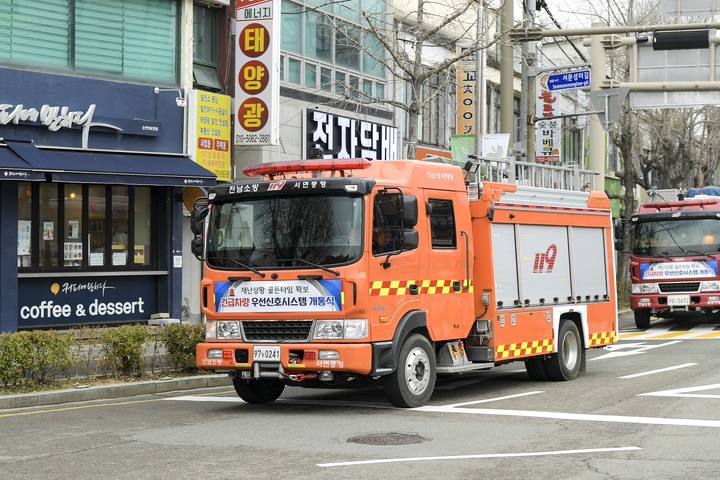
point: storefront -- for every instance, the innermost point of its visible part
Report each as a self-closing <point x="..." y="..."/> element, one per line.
<point x="91" y="216"/>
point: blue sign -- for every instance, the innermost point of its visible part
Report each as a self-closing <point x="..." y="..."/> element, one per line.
<point x="574" y="79"/>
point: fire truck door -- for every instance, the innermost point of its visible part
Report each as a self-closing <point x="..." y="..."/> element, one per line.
<point x="445" y="268"/>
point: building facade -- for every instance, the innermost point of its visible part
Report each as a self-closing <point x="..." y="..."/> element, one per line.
<point x="93" y="161"/>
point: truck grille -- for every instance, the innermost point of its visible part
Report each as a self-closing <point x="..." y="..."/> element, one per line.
<point x="278" y="331"/>
<point x="684" y="287"/>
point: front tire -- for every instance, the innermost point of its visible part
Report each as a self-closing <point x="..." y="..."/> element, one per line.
<point x="413" y="381"/>
<point x="565" y="364"/>
<point x="642" y="319"/>
<point x="258" y="391"/>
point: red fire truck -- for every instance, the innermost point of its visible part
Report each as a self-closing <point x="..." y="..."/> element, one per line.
<point x="349" y="272"/>
<point x="674" y="255"/>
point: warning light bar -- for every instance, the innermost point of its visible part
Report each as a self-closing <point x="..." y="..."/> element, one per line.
<point x="684" y="203"/>
<point x="293" y="166"/>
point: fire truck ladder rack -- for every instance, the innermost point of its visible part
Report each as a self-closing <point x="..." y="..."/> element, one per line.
<point x="509" y="170"/>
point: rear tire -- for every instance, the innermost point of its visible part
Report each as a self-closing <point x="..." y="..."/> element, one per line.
<point x="565" y="364"/>
<point x="642" y="319"/>
<point x="413" y="381"/>
<point x="258" y="391"/>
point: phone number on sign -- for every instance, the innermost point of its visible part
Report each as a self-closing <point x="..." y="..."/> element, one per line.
<point x="252" y="139"/>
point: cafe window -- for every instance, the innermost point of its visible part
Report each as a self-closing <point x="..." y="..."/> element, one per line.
<point x="68" y="227"/>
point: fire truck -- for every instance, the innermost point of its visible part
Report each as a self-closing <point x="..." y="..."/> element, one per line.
<point x="357" y="273"/>
<point x="674" y="242"/>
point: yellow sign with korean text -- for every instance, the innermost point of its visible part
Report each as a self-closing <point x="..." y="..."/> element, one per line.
<point x="210" y="132"/>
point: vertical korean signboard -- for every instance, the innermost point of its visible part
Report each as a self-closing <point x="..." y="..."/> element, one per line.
<point x="257" y="59"/>
<point x="209" y="131"/>
<point x="547" y="131"/>
<point x="466" y="95"/>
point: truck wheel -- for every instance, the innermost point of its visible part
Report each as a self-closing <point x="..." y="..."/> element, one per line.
<point x="565" y="364"/>
<point x="258" y="391"/>
<point x="642" y="319"/>
<point x="413" y="381"/>
<point x="536" y="368"/>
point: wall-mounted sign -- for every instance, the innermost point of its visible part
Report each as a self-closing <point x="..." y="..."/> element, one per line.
<point x="344" y="137"/>
<point x="209" y="131"/>
<point x="84" y="301"/>
<point x="466" y="95"/>
<point x="547" y="130"/>
<point x="257" y="60"/>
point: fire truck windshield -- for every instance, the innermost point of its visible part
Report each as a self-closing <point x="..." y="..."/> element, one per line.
<point x="285" y="232"/>
<point x="663" y="238"/>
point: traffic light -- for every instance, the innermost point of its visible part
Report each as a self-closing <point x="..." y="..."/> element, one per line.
<point x="681" y="40"/>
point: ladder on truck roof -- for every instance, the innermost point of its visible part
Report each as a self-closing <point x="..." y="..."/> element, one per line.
<point x="509" y="170"/>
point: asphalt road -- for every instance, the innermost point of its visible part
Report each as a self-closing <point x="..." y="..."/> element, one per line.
<point x="647" y="408"/>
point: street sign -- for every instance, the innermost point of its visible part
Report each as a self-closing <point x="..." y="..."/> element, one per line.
<point x="565" y="80"/>
<point x="608" y="103"/>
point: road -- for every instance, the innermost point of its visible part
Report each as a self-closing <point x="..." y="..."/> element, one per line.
<point x="647" y="408"/>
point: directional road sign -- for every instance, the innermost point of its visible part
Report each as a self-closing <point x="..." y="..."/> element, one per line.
<point x="565" y="80"/>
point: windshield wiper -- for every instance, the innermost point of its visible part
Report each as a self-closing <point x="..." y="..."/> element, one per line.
<point x="239" y="263"/>
<point x="695" y="252"/>
<point x="308" y="262"/>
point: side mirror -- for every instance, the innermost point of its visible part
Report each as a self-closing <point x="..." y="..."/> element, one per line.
<point x="618" y="228"/>
<point x="619" y="245"/>
<point x="410" y="210"/>
<point x="197" y="218"/>
<point x="197" y="246"/>
<point x="411" y="239"/>
<point x="198" y="214"/>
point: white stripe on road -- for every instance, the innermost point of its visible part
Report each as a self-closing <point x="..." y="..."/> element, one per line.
<point x="454" y="405"/>
<point x="651" y="372"/>
<point x="481" y="456"/>
<point x="682" y="422"/>
<point x="685" y="392"/>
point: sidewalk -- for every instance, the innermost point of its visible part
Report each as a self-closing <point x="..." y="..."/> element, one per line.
<point x="120" y="390"/>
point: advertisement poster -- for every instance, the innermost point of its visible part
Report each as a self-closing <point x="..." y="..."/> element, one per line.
<point x="209" y="131"/>
<point x="547" y="130"/>
<point x="257" y="60"/>
<point x="279" y="296"/>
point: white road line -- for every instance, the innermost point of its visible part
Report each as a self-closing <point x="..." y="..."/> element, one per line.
<point x="680" y="422"/>
<point x="487" y="400"/>
<point x="676" y="367"/>
<point x="481" y="456"/>
<point x="685" y="392"/>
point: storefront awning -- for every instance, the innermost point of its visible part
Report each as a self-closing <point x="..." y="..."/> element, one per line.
<point x="12" y="167"/>
<point x="112" y="168"/>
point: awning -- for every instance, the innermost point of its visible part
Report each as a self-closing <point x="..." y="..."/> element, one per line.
<point x="113" y="168"/>
<point x="12" y="167"/>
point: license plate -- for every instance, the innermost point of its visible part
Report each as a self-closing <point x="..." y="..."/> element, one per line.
<point x="267" y="353"/>
<point x="678" y="300"/>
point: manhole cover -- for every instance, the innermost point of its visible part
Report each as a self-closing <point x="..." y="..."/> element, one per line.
<point x="391" y="438"/>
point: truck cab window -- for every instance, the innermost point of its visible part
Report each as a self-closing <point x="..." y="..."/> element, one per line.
<point x="386" y="223"/>
<point x="442" y="224"/>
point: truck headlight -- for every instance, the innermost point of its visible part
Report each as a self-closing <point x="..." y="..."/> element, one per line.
<point x="352" y="329"/>
<point x="639" y="288"/>
<point x="710" y="286"/>
<point x="227" y="329"/>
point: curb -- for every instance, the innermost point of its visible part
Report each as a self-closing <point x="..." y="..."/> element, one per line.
<point x="153" y="387"/>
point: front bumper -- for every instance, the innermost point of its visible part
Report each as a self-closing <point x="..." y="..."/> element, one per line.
<point x="294" y="358"/>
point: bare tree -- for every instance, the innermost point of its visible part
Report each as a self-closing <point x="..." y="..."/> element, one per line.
<point x="409" y="44"/>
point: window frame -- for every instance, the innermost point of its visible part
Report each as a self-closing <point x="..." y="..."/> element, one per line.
<point x="61" y="224"/>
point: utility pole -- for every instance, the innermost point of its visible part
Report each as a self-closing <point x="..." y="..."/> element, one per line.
<point x="597" y="77"/>
<point x="480" y="81"/>
<point x="507" y="72"/>
<point x="527" y="99"/>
